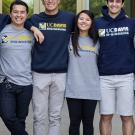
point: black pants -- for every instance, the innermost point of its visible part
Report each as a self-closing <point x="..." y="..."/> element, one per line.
<point x="81" y="110"/>
<point x="14" y="106"/>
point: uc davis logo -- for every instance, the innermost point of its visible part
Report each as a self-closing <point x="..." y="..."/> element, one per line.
<point x="101" y="32"/>
<point x="42" y="26"/>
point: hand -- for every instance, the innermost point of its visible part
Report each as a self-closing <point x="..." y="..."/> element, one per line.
<point x="37" y="34"/>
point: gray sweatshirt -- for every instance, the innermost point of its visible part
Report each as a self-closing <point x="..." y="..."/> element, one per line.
<point x="83" y="77"/>
<point x="15" y="55"/>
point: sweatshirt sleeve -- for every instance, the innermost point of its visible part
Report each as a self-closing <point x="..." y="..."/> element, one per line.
<point x="28" y="24"/>
<point x="134" y="41"/>
<point x="4" y="20"/>
<point x="31" y="22"/>
<point x="134" y="34"/>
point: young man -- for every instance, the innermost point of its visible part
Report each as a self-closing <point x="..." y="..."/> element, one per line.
<point x="15" y="70"/>
<point x="49" y="65"/>
<point x="5" y="19"/>
<point x="116" y="66"/>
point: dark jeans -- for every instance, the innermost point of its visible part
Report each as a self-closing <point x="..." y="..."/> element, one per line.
<point x="81" y="110"/>
<point x="14" y="106"/>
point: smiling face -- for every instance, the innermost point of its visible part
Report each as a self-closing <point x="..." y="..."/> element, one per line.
<point x="51" y="6"/>
<point x="115" y="7"/>
<point x="18" y="15"/>
<point x="84" y="23"/>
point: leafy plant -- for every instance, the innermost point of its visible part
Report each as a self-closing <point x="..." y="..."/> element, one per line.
<point x="95" y="6"/>
<point x="68" y="5"/>
<point x="6" y="6"/>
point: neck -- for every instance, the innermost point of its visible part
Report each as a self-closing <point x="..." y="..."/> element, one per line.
<point x="84" y="34"/>
<point x="19" y="27"/>
<point x="114" y="15"/>
<point x="52" y="12"/>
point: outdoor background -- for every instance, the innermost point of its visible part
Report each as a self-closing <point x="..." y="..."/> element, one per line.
<point x="6" y="5"/>
<point x="69" y="5"/>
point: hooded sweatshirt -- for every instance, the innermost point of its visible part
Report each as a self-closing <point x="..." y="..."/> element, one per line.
<point x="117" y="53"/>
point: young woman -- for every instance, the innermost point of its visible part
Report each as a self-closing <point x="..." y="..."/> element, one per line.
<point x="82" y="88"/>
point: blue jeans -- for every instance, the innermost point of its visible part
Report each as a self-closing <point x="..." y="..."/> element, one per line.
<point x="14" y="106"/>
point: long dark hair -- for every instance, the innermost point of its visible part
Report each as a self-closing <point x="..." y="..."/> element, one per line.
<point x="92" y="33"/>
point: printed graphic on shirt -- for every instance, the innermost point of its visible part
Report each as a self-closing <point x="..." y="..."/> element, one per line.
<point x="85" y="49"/>
<point x="53" y="26"/>
<point x="16" y="39"/>
<point x="113" y="31"/>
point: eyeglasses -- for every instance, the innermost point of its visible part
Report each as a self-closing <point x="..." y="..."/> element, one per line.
<point x="117" y="1"/>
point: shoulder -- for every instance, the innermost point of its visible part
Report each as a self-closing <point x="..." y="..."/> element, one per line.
<point x="7" y="27"/>
<point x="27" y="32"/>
<point x="35" y="16"/>
<point x="99" y="19"/>
<point x="28" y="35"/>
<point x="67" y="14"/>
<point x="131" y="20"/>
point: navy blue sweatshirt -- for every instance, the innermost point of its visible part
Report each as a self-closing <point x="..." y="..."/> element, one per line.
<point x="4" y="20"/>
<point x="52" y="55"/>
<point x="116" y="53"/>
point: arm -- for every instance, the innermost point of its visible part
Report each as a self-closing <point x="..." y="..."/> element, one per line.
<point x="37" y="33"/>
<point x="4" y="20"/>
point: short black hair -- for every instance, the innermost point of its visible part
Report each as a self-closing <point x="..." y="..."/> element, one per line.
<point x="122" y="1"/>
<point x="19" y="2"/>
